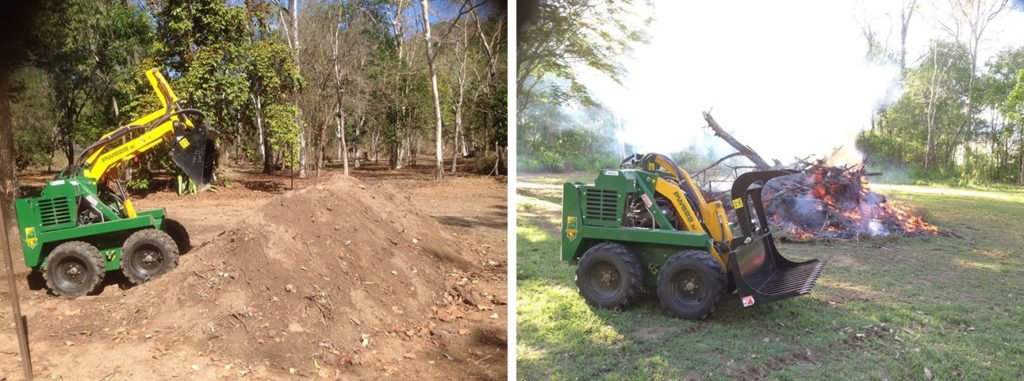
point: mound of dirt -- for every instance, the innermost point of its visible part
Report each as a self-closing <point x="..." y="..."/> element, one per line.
<point x="314" y="278"/>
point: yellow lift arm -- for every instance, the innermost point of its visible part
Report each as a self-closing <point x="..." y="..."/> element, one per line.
<point x="192" y="148"/>
<point x="104" y="158"/>
<point x="712" y="214"/>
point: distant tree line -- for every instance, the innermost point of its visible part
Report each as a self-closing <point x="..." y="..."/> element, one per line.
<point x="956" y="118"/>
<point x="560" y="126"/>
<point x="287" y="83"/>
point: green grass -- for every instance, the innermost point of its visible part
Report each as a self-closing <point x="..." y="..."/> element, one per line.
<point x="883" y="308"/>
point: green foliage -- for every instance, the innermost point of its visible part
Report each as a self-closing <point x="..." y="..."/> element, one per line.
<point x="138" y="183"/>
<point x="225" y="58"/>
<point x="966" y="149"/>
<point x="1014" y="106"/>
<point x="88" y="52"/>
<point x="569" y="34"/>
<point x="552" y="139"/>
<point x="283" y="131"/>
<point x="204" y="43"/>
<point x="186" y="186"/>
<point x="271" y="71"/>
<point x="34" y="117"/>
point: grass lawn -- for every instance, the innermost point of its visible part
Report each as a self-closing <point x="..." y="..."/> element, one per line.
<point x="942" y="307"/>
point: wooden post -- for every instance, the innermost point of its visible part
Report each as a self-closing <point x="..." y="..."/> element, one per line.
<point x="19" y="320"/>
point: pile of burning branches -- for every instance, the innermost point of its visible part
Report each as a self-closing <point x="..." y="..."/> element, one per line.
<point x="834" y="202"/>
<point x="824" y="201"/>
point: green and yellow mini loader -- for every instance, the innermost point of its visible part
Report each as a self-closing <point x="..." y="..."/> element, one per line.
<point x="83" y="224"/>
<point x="646" y="225"/>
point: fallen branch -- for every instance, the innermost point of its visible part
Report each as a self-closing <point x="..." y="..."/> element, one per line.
<point x="742" y="148"/>
<point x="727" y="157"/>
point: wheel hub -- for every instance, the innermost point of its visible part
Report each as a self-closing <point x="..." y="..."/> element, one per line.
<point x="149" y="260"/>
<point x="688" y="286"/>
<point x="605" y="279"/>
<point x="71" y="273"/>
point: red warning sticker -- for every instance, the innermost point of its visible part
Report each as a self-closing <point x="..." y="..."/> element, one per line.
<point x="647" y="200"/>
<point x="748" y="300"/>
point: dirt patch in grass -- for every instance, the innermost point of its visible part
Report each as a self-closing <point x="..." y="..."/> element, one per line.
<point x="762" y="372"/>
<point x="660" y="332"/>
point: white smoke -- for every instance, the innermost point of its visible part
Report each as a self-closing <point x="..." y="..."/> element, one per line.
<point x="788" y="79"/>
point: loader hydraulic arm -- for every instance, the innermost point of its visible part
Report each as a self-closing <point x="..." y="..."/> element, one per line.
<point x="169" y="123"/>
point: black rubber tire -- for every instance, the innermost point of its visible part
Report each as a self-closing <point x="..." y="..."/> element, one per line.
<point x="179" y="234"/>
<point x="621" y="279"/>
<point x="148" y="254"/>
<point x="691" y="284"/>
<point x="82" y="258"/>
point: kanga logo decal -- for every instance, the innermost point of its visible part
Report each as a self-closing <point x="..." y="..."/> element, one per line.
<point x="570" y="227"/>
<point x="30" y="237"/>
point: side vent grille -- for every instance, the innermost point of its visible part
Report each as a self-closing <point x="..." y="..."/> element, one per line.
<point x="601" y="204"/>
<point x="54" y="211"/>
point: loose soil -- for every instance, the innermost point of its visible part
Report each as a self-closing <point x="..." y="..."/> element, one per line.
<point x="386" y="273"/>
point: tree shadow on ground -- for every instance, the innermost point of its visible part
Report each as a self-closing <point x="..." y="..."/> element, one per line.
<point x="496" y="220"/>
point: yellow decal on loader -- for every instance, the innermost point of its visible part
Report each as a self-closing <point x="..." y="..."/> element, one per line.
<point x="30" y="237"/>
<point x="737" y="203"/>
<point x="678" y="195"/>
<point x="570" y="227"/>
<point x="183" y="143"/>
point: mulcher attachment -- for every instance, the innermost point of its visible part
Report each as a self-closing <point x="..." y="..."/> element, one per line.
<point x="762" y="274"/>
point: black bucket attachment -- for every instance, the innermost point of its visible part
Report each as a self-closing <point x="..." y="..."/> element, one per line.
<point x="760" y="273"/>
<point x="194" y="151"/>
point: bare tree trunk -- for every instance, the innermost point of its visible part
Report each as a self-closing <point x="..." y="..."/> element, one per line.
<point x="458" y="135"/>
<point x="259" y="125"/>
<point x="339" y="117"/>
<point x="375" y="145"/>
<point x="398" y="27"/>
<point x="69" y="135"/>
<point x="320" y="148"/>
<point x="337" y="135"/>
<point x="355" y="142"/>
<point x="933" y="95"/>
<point x="977" y="14"/>
<point x="293" y="7"/>
<point x="1020" y="177"/>
<point x="905" y="16"/>
<point x="439" y="144"/>
<point x="461" y="98"/>
<point x="930" y="112"/>
<point x="8" y="183"/>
